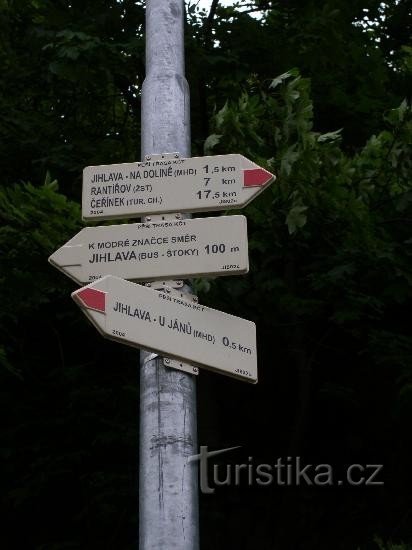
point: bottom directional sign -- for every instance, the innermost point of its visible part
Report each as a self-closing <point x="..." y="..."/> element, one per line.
<point x="171" y="325"/>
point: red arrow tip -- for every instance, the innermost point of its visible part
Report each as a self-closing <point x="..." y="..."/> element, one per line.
<point x="256" y="177"/>
<point x="92" y="298"/>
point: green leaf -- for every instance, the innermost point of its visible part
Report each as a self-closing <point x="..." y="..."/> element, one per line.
<point x="289" y="158"/>
<point x="280" y="79"/>
<point x="330" y="136"/>
<point x="4" y="362"/>
<point x="211" y="142"/>
<point x="296" y="218"/>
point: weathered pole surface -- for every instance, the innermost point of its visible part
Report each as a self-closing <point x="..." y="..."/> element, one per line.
<point x="168" y="492"/>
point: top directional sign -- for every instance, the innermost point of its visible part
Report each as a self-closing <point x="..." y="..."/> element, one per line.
<point x="171" y="185"/>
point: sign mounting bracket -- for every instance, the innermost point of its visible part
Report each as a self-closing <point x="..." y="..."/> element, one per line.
<point x="170" y="286"/>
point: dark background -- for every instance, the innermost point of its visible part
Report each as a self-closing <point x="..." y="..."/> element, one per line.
<point x="329" y="285"/>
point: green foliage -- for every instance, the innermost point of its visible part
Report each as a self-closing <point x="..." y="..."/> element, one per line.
<point x="331" y="260"/>
<point x="71" y="74"/>
<point x="68" y="418"/>
<point x="35" y="222"/>
<point x="390" y="545"/>
<point x="330" y="240"/>
<point x="354" y="54"/>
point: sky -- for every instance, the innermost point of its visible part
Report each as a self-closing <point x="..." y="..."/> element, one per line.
<point x="206" y="3"/>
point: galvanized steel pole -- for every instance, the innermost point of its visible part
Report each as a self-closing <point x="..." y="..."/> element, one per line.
<point x="168" y="493"/>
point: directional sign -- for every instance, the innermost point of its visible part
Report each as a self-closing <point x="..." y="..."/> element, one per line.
<point x="171" y="185"/>
<point x="171" y="325"/>
<point x="157" y="250"/>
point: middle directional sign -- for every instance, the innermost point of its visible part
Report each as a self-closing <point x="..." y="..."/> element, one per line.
<point x="157" y="250"/>
<point x="171" y="185"/>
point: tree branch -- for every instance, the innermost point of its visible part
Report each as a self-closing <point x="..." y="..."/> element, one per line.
<point x="207" y="29"/>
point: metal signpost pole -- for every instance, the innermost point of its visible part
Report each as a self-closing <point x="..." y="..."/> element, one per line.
<point x="166" y="317"/>
<point x="168" y="494"/>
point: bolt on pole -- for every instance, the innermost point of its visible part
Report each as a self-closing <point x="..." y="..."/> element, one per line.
<point x="168" y="488"/>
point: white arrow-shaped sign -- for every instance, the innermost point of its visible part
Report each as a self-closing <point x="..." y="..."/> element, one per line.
<point x="158" y="250"/>
<point x="171" y="325"/>
<point x="171" y="185"/>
